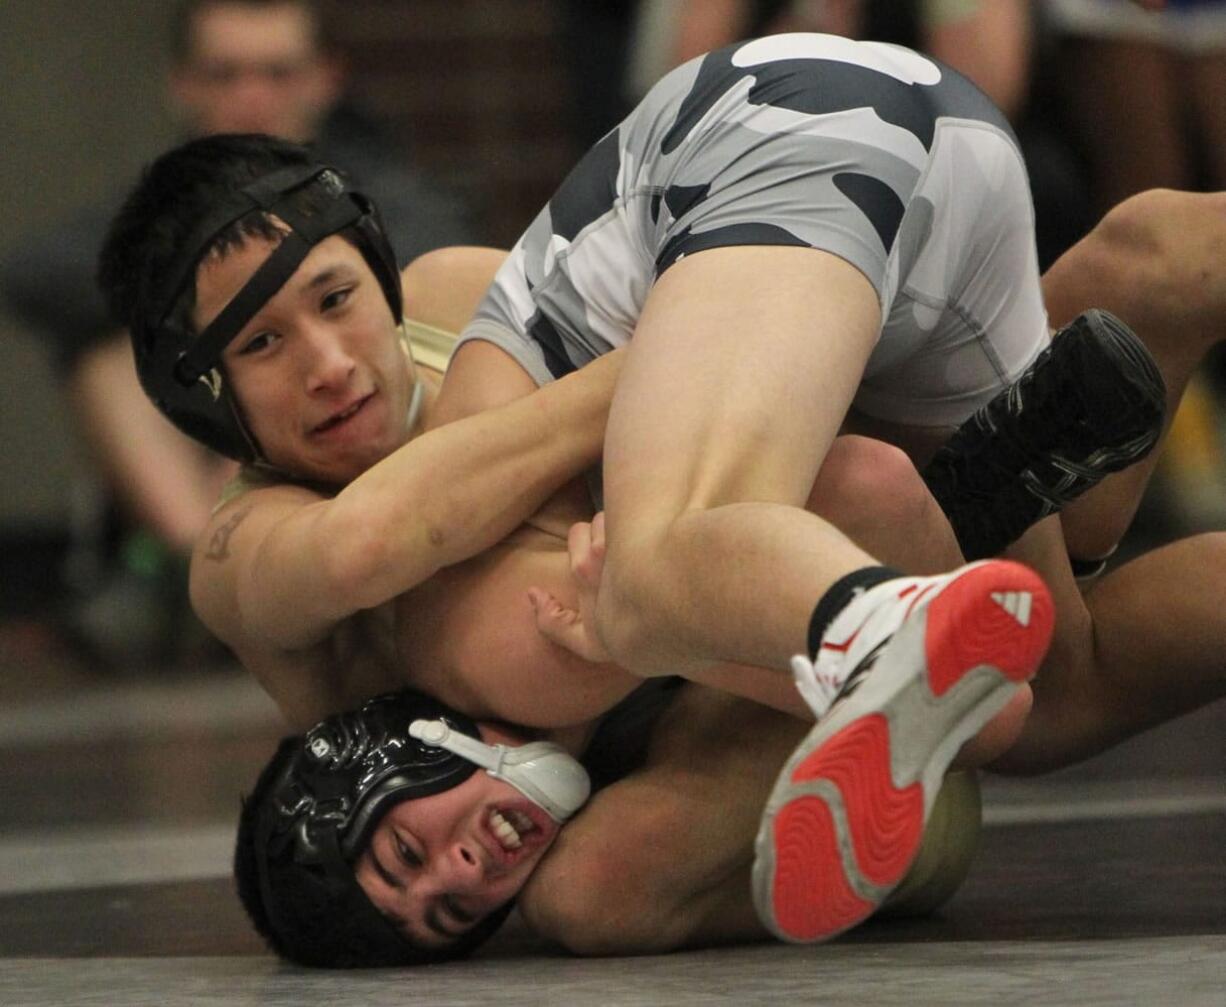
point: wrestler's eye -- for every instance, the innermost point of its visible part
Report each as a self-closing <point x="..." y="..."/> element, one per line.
<point x="335" y="299"/>
<point x="406" y="853"/>
<point x="260" y="341"/>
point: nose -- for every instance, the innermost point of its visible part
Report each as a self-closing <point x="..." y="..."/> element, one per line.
<point x="328" y="364"/>
<point x="464" y="863"/>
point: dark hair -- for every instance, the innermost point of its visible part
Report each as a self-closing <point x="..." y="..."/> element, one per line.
<point x="185" y="11"/>
<point x="175" y="194"/>
<point x="318" y="919"/>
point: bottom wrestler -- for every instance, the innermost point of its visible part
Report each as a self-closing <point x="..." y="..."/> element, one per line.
<point x="366" y="795"/>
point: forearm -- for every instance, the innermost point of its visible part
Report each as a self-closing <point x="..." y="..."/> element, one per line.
<point x="461" y="488"/>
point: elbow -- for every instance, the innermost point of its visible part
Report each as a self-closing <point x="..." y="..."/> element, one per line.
<point x="370" y="553"/>
<point x="355" y="555"/>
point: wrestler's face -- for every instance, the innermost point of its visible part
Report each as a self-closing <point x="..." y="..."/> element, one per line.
<point x="319" y="372"/>
<point x="438" y="865"/>
<point x="255" y="68"/>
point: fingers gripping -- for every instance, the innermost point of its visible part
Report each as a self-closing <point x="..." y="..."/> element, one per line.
<point x="573" y="627"/>
<point x="586" y="545"/>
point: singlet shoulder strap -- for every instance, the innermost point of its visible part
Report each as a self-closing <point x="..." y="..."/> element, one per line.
<point x="431" y="346"/>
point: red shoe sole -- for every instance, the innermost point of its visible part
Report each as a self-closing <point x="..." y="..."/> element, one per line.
<point x="997" y="614"/>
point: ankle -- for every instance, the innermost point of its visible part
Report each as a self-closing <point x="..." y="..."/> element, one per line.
<point x="840" y="594"/>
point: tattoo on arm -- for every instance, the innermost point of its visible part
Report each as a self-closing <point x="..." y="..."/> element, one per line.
<point x="219" y="544"/>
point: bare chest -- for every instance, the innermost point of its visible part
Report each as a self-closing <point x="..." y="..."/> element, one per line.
<point x="469" y="637"/>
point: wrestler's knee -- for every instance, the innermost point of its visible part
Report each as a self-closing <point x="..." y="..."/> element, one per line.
<point x="871" y="491"/>
<point x="1159" y="250"/>
<point x="1140" y="219"/>
<point x="865" y="481"/>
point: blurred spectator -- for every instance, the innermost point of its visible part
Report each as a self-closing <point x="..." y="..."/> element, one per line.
<point x="987" y="41"/>
<point x="595" y="36"/>
<point x="235" y="66"/>
<point x="1150" y="84"/>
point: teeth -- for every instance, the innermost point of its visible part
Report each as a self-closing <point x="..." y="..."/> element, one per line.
<point x="522" y="822"/>
<point x="505" y="831"/>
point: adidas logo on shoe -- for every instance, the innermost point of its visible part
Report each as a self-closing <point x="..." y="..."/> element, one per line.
<point x="1016" y="603"/>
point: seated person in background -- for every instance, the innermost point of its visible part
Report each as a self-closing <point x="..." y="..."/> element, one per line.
<point x="236" y="66"/>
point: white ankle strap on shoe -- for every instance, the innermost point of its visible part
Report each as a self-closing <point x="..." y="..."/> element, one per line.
<point x="819" y="691"/>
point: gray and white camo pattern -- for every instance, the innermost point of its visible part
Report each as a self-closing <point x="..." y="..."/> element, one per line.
<point x="869" y="151"/>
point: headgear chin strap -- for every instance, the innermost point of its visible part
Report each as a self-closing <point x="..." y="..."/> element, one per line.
<point x="182" y="373"/>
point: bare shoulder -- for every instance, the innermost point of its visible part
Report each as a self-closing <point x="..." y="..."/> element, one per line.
<point x="228" y="547"/>
<point x="443" y="287"/>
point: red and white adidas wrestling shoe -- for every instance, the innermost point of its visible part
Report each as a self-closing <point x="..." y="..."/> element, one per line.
<point x="906" y="673"/>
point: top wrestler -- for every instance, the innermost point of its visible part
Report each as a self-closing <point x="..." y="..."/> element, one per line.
<point x="255" y="608"/>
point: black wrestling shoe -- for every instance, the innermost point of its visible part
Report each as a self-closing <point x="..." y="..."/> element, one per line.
<point x="1091" y="404"/>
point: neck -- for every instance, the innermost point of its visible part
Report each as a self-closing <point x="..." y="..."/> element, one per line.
<point x="431" y="382"/>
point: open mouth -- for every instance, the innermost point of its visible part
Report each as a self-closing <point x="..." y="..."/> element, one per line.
<point x="510" y="828"/>
<point x="337" y="419"/>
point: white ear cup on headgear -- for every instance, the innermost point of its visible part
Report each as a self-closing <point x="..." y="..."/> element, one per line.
<point x="540" y="770"/>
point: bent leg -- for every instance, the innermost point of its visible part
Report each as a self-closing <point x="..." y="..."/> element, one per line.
<point x="739" y="375"/>
<point x="872" y="492"/>
<point x="1158" y="261"/>
<point x="1144" y="644"/>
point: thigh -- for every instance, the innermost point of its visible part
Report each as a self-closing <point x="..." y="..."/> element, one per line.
<point x="741" y="369"/>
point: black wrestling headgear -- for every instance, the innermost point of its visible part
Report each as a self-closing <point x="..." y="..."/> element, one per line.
<point x="314" y="814"/>
<point x="181" y="372"/>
